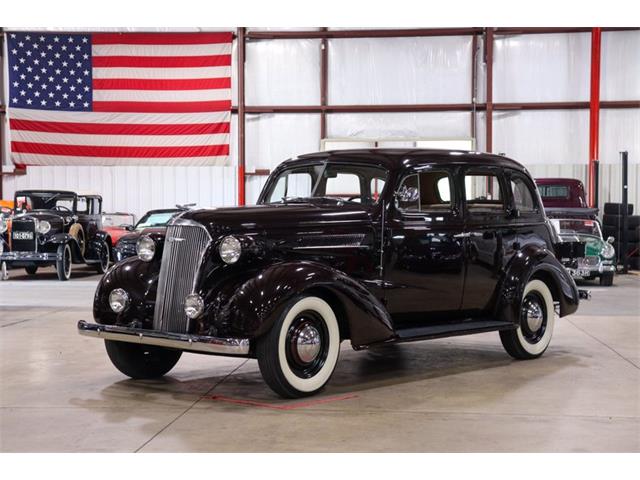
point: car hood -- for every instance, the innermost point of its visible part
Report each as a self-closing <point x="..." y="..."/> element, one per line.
<point x="264" y="218"/>
<point x="134" y="236"/>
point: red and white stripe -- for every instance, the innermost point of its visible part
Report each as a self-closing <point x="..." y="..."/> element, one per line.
<point x="158" y="99"/>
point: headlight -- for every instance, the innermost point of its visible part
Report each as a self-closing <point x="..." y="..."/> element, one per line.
<point x="230" y="249"/>
<point x="145" y="248"/>
<point x="3" y="226"/>
<point x="44" y="227"/>
<point x="118" y="300"/>
<point x="193" y="305"/>
<point x="608" y="251"/>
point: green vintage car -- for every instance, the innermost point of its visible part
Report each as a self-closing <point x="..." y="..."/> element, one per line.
<point x="600" y="256"/>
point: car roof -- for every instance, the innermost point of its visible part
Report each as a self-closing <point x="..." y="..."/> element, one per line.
<point x="557" y="180"/>
<point x="32" y="191"/>
<point x="397" y="158"/>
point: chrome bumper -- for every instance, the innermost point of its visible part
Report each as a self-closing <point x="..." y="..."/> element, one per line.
<point x="29" y="257"/>
<point x="180" y="341"/>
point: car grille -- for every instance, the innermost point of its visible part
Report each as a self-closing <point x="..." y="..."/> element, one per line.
<point x="184" y="246"/>
<point x="25" y="226"/>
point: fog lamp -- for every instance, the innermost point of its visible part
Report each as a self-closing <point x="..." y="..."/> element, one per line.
<point x="193" y="305"/>
<point x="118" y="300"/>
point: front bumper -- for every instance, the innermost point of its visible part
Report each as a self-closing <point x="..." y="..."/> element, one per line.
<point x="584" y="269"/>
<point x="179" y="341"/>
<point x="29" y="257"/>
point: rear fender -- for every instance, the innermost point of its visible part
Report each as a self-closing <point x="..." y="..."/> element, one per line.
<point x="255" y="303"/>
<point x="535" y="262"/>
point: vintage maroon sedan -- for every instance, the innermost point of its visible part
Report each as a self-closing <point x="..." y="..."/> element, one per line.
<point x="454" y="243"/>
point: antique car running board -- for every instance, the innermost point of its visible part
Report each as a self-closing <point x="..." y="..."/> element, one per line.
<point x="452" y="329"/>
<point x="181" y="341"/>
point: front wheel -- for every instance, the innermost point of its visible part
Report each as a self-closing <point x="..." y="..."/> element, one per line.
<point x="298" y="355"/>
<point x="31" y="269"/>
<point x="63" y="264"/>
<point x="537" y="317"/>
<point x="141" y="361"/>
<point x="606" y="279"/>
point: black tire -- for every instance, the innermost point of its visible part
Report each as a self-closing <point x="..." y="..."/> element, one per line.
<point x="615" y="221"/>
<point x="31" y="269"/>
<point x="141" y="361"/>
<point x="606" y="279"/>
<point x="617" y="209"/>
<point x="105" y="257"/>
<point x="527" y="342"/>
<point x="290" y="370"/>
<point x="63" y="266"/>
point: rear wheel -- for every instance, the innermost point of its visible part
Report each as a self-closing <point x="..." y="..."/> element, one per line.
<point x="532" y="337"/>
<point x="105" y="258"/>
<point x="63" y="264"/>
<point x="298" y="355"/>
<point x="31" y="269"/>
<point x="141" y="361"/>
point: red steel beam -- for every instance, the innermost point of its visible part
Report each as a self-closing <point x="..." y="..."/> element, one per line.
<point x="594" y="113"/>
<point x="241" y="117"/>
<point x="488" y="50"/>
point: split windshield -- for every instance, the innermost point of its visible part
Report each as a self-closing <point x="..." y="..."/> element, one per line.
<point x="577" y="227"/>
<point x="25" y="202"/>
<point x="328" y="182"/>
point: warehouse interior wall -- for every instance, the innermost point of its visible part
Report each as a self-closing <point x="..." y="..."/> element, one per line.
<point x="379" y="71"/>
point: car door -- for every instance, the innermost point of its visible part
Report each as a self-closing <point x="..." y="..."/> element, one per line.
<point x="84" y="210"/>
<point x="526" y="211"/>
<point x="491" y="236"/>
<point x="425" y="266"/>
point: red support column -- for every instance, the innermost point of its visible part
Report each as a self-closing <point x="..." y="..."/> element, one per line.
<point x="241" y="116"/>
<point x="594" y="115"/>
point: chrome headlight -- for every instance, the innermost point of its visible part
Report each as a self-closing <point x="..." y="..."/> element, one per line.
<point x="145" y="248"/>
<point x="193" y="306"/>
<point x="43" y="227"/>
<point x="118" y="300"/>
<point x="3" y="226"/>
<point x="230" y="249"/>
<point x="607" y="251"/>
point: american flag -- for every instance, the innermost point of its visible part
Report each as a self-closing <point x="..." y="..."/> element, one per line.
<point x="119" y="98"/>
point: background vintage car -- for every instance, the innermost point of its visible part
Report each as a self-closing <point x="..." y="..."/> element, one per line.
<point x="52" y="227"/>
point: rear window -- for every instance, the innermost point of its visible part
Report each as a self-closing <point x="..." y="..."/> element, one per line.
<point x="553" y="191"/>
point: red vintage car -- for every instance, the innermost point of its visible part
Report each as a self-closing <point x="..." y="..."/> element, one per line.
<point x="565" y="197"/>
<point x="118" y="224"/>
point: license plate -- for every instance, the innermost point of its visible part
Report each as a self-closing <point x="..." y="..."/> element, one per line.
<point x="22" y="235"/>
<point x="583" y="272"/>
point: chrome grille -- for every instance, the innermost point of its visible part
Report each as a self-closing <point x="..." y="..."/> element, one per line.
<point x="23" y="235"/>
<point x="184" y="246"/>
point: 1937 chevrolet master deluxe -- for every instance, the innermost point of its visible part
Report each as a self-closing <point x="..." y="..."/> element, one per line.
<point x="370" y="246"/>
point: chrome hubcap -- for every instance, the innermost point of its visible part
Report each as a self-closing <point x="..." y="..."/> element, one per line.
<point x="307" y="344"/>
<point x="534" y="315"/>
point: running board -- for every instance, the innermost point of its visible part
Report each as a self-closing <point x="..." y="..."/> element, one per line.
<point x="451" y="329"/>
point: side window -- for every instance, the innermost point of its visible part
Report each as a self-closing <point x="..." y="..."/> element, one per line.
<point x="376" y="187"/>
<point x="483" y="192"/>
<point x="426" y="191"/>
<point x="343" y="185"/>
<point x="523" y="197"/>
<point x="82" y="205"/>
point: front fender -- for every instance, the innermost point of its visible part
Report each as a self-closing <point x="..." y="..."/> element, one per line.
<point x="535" y="262"/>
<point x="255" y="303"/>
<point x="139" y="279"/>
<point x="62" y="238"/>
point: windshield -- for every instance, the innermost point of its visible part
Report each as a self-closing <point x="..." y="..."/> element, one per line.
<point x="328" y="181"/>
<point x="43" y="201"/>
<point x="157" y="219"/>
<point x="117" y="219"/>
<point x="577" y="227"/>
<point x="553" y="191"/>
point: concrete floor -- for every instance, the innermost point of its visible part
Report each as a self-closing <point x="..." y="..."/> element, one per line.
<point x="59" y="392"/>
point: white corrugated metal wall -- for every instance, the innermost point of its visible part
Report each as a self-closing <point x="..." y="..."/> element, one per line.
<point x="527" y="68"/>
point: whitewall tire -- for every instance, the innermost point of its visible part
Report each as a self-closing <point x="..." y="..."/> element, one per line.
<point x="298" y="355"/>
<point x="537" y="319"/>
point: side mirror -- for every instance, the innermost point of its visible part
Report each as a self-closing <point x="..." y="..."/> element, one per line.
<point x="611" y="240"/>
<point x="127" y="227"/>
